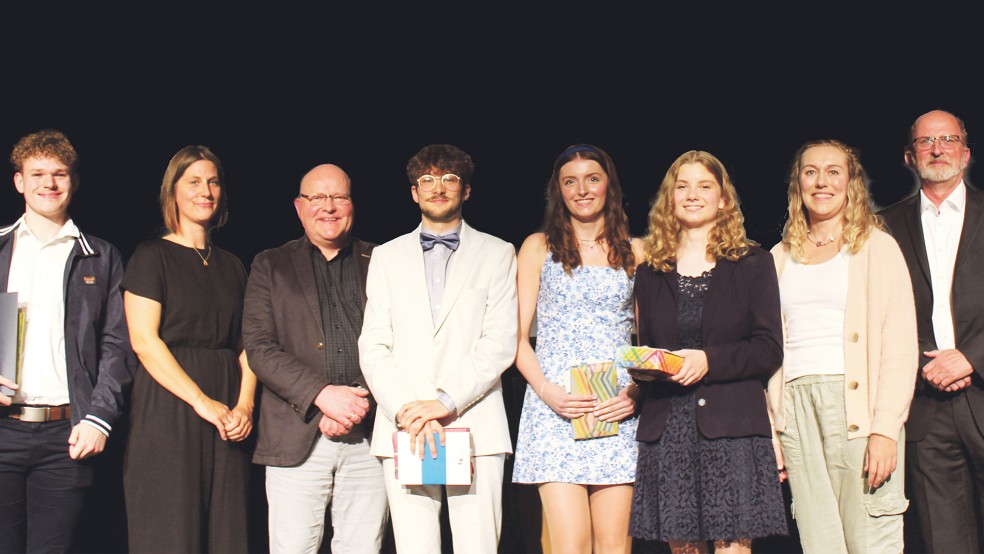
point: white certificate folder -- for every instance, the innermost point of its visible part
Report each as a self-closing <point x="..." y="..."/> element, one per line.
<point x="451" y="467"/>
<point x="11" y="338"/>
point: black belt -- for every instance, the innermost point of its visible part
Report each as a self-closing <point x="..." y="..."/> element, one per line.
<point x="36" y="414"/>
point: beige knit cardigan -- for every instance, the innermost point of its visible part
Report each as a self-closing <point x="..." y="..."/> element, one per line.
<point x="881" y="350"/>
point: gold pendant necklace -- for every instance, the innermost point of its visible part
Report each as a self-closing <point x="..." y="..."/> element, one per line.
<point x="205" y="258"/>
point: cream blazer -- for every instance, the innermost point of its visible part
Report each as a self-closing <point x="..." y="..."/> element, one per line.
<point x="881" y="352"/>
<point x="405" y="356"/>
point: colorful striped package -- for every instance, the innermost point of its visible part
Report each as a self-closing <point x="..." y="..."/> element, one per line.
<point x="648" y="364"/>
<point x="600" y="380"/>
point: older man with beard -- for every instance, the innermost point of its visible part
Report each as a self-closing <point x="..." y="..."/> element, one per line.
<point x="938" y="230"/>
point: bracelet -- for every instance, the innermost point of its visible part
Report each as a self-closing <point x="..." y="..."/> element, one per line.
<point x="543" y="384"/>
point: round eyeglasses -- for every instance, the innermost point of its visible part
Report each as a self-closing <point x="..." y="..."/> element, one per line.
<point x="450" y="181"/>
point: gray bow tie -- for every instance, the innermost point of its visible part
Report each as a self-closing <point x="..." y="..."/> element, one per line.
<point x="427" y="240"/>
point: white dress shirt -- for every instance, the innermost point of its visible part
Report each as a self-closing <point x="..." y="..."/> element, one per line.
<point x="437" y="264"/>
<point x="37" y="274"/>
<point x="941" y="230"/>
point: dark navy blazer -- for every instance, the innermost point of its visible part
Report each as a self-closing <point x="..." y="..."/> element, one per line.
<point x="742" y="337"/>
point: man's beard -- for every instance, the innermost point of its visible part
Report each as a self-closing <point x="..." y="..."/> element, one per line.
<point x="939" y="174"/>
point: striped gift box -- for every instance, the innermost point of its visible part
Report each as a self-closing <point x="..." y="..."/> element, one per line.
<point x="600" y="380"/>
<point x="638" y="360"/>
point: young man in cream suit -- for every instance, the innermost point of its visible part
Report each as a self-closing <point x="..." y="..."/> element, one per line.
<point x="439" y="330"/>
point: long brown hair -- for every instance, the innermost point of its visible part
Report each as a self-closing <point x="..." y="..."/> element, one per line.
<point x="561" y="239"/>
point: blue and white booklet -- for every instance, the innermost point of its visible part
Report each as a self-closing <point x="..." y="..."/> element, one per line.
<point x="451" y="467"/>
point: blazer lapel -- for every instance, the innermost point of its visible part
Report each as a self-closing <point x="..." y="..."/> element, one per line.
<point x="304" y="269"/>
<point x="720" y="277"/>
<point x="462" y="263"/>
<point x="670" y="340"/>
<point x="913" y="224"/>
<point x="362" y="256"/>
<point x="415" y="277"/>
<point x="971" y="224"/>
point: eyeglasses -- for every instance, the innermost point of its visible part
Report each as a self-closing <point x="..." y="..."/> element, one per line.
<point x="319" y="199"/>
<point x="450" y="181"/>
<point x="946" y="142"/>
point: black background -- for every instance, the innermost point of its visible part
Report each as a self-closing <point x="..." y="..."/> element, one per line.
<point x="274" y="90"/>
<point x="274" y="93"/>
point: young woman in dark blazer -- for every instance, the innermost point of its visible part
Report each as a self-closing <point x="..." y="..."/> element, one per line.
<point x="706" y="468"/>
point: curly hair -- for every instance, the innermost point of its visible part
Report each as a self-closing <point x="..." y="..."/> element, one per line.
<point x="726" y="239"/>
<point x="444" y="157"/>
<point x="561" y="239"/>
<point x="47" y="143"/>
<point x="859" y="214"/>
<point x="176" y="168"/>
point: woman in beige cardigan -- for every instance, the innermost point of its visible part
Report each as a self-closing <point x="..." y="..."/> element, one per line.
<point x="850" y="358"/>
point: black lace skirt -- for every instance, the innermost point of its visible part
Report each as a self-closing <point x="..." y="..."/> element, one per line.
<point x="690" y="488"/>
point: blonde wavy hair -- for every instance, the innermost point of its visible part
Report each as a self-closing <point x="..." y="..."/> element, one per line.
<point x="859" y="214"/>
<point x="726" y="239"/>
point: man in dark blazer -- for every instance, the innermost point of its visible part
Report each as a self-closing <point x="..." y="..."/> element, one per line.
<point x="77" y="365"/>
<point x="301" y="322"/>
<point x="939" y="231"/>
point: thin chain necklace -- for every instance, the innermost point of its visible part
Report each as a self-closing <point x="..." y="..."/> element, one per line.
<point x="822" y="242"/>
<point x="204" y="258"/>
<point x="591" y="242"/>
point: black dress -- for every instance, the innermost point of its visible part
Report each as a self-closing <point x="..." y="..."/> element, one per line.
<point x="185" y="488"/>
<point x="690" y="488"/>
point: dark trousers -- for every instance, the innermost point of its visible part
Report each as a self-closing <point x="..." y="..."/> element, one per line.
<point x="41" y="489"/>
<point x="946" y="473"/>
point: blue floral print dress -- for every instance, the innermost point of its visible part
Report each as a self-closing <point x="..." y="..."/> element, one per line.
<point x="581" y="317"/>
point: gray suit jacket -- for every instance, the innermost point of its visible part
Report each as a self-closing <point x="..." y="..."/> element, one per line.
<point x="966" y="300"/>
<point x="284" y="341"/>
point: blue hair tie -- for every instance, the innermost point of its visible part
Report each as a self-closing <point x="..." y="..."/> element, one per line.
<point x="580" y="148"/>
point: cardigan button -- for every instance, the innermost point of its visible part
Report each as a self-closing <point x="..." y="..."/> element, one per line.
<point x="854" y="337"/>
<point x="320" y="346"/>
<point x="701" y="402"/>
<point x="852" y="428"/>
<point x="853" y="385"/>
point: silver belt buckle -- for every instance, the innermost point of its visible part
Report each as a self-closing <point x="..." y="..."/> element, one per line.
<point x="34" y="414"/>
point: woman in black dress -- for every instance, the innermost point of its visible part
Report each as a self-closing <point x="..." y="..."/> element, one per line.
<point x="186" y="466"/>
<point x="706" y="468"/>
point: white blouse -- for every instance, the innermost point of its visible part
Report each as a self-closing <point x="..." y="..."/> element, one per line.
<point x="814" y="301"/>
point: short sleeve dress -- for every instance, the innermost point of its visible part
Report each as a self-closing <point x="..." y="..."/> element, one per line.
<point x="186" y="488"/>
<point x="581" y="317"/>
